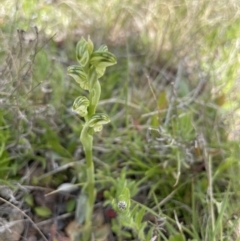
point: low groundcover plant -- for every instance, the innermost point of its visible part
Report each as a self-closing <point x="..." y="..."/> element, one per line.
<point x="92" y="66"/>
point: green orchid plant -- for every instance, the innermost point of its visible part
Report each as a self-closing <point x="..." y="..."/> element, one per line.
<point x="91" y="67"/>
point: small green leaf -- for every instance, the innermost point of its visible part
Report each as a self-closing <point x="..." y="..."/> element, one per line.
<point x="141" y="230"/>
<point x="224" y="166"/>
<point x="29" y="200"/>
<point x="139" y="217"/>
<point x="71" y="204"/>
<point x="177" y="237"/>
<point x="2" y="148"/>
<point x="150" y="235"/>
<point x="134" y="210"/>
<point x="43" y="211"/>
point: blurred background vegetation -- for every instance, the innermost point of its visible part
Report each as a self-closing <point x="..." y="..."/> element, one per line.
<point x="173" y="99"/>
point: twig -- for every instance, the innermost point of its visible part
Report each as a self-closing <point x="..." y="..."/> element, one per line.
<point x="60" y="217"/>
<point x="173" y="96"/>
<point x="25" y="215"/>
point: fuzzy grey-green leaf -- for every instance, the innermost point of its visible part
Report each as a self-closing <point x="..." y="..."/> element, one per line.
<point x="139" y="217"/>
<point x="125" y="195"/>
<point x="43" y="211"/>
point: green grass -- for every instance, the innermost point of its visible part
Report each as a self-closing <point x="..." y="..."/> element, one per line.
<point x="173" y="139"/>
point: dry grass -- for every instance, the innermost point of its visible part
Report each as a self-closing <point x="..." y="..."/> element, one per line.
<point x="173" y="99"/>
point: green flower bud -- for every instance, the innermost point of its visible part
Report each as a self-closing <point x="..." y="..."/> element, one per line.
<point x="90" y="45"/>
<point x="101" y="60"/>
<point x="122" y="205"/>
<point x="83" y="51"/>
<point x="79" y="75"/>
<point x="124" y="197"/>
<point x="97" y="121"/>
<point x="80" y="105"/>
<point x="103" y="48"/>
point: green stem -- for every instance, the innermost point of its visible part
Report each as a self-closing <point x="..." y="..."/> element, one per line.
<point x="92" y="66"/>
<point x="87" y="141"/>
<point x="94" y="98"/>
